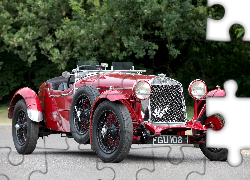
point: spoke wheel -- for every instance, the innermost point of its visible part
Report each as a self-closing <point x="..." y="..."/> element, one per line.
<point x="111" y="131"/>
<point x="80" y="111"/>
<point x="108" y="133"/>
<point x="24" y="130"/>
<point x="82" y="114"/>
<point x="21" y="127"/>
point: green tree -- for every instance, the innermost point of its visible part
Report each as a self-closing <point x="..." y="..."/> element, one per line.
<point x="61" y="32"/>
<point x="96" y="29"/>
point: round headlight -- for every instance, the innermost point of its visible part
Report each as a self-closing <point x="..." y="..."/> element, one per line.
<point x="142" y="90"/>
<point x="197" y="89"/>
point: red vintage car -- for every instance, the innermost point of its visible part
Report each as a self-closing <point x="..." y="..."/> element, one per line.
<point x="112" y="109"/>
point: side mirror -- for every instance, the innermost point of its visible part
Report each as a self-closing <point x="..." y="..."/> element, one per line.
<point x="66" y="74"/>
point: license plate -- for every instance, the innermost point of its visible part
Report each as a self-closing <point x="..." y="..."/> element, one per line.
<point x="169" y="139"/>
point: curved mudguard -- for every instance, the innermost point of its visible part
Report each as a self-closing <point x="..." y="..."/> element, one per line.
<point x="111" y="95"/>
<point x="34" y="109"/>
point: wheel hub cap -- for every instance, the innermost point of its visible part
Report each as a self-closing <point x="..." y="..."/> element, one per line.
<point x="113" y="131"/>
<point x="104" y="131"/>
<point x="78" y="113"/>
<point x="17" y="126"/>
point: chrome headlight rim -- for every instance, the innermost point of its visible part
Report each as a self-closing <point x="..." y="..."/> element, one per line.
<point x="136" y="85"/>
<point x="192" y="85"/>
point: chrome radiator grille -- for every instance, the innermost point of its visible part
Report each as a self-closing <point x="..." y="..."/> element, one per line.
<point x="166" y="103"/>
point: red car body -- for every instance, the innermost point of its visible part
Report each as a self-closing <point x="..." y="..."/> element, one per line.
<point x="51" y="107"/>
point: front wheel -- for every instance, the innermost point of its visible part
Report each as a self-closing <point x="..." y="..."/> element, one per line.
<point x="24" y="130"/>
<point x="111" y="131"/>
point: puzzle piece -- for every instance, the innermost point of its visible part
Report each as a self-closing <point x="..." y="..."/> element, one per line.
<point x="236" y="12"/>
<point x="140" y="157"/>
<point x="175" y="162"/>
<point x="73" y="162"/>
<point x="14" y="165"/>
<point x="222" y="170"/>
<point x="73" y="165"/>
<point x="235" y="111"/>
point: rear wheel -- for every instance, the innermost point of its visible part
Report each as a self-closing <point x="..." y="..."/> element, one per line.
<point x="213" y="154"/>
<point x="80" y="111"/>
<point x="111" y="131"/>
<point x="24" y="130"/>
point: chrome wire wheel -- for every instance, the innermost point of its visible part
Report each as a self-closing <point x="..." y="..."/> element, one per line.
<point x="21" y="127"/>
<point x="111" y="131"/>
<point x="82" y="110"/>
<point x="108" y="131"/>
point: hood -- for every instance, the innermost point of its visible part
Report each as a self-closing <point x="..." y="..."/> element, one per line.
<point x="118" y="80"/>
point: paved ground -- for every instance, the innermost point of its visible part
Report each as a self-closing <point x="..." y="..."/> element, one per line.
<point x="61" y="158"/>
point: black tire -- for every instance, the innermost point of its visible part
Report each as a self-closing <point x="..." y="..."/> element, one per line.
<point x="24" y="130"/>
<point x="80" y="111"/>
<point x="213" y="154"/>
<point x="111" y="131"/>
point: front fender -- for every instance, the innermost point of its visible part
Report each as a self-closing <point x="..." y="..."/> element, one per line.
<point x="34" y="109"/>
<point x="216" y="93"/>
<point x="111" y="95"/>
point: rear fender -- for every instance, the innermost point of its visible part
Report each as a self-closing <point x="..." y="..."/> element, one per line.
<point x="34" y="109"/>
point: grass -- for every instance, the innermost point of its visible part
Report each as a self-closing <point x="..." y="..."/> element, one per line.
<point x="190" y="112"/>
<point x="4" y="120"/>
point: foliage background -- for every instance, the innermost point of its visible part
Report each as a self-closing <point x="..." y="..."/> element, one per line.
<point x="40" y="39"/>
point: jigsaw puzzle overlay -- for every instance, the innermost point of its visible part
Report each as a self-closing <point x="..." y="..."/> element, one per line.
<point x="63" y="158"/>
<point x="235" y="133"/>
<point x="236" y="12"/>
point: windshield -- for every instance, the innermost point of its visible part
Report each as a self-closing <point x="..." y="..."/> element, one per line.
<point x="89" y="65"/>
<point x="122" y="65"/>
